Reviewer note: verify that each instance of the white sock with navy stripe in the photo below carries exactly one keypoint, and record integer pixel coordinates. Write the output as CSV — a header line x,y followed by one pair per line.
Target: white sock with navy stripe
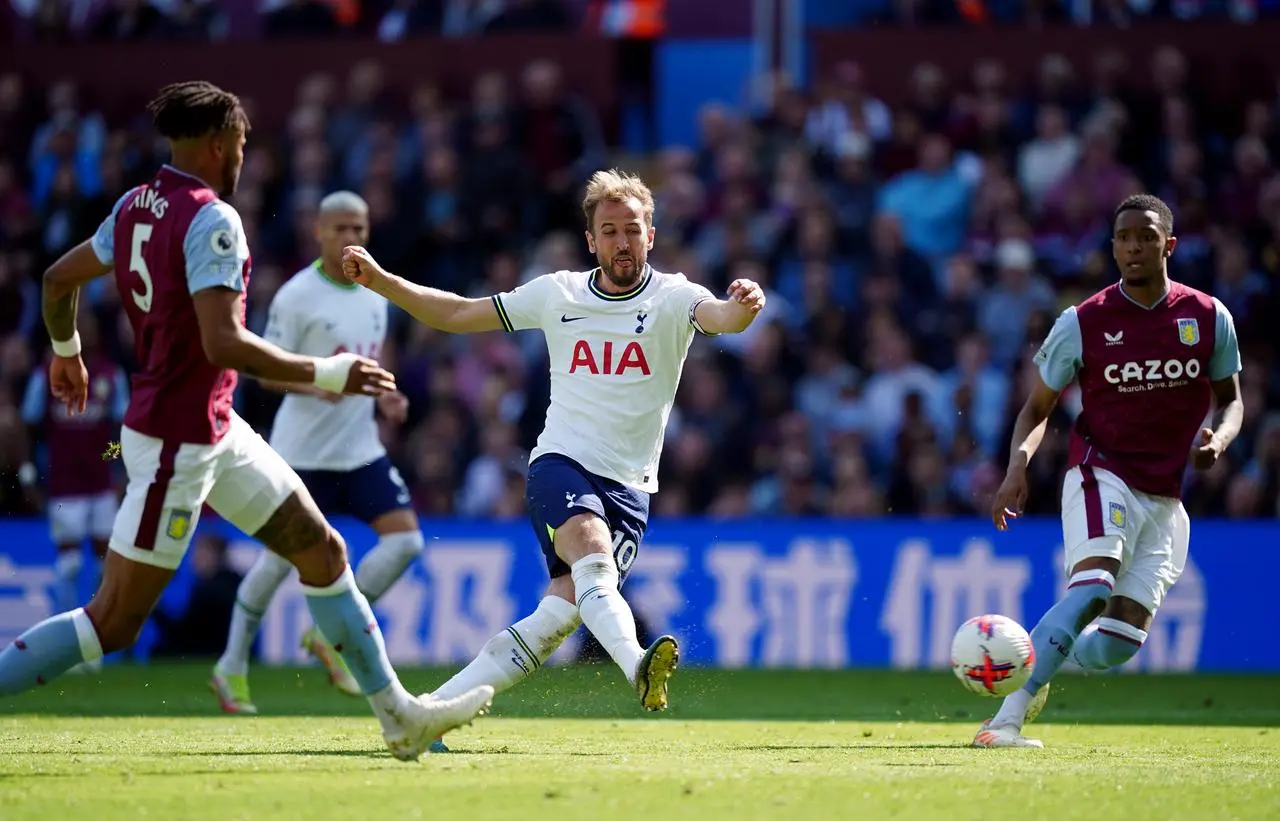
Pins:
x,y
253,597
518,651
605,613
387,561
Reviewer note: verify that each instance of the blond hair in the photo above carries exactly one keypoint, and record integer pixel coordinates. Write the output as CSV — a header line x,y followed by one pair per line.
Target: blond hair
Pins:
x,y
616,186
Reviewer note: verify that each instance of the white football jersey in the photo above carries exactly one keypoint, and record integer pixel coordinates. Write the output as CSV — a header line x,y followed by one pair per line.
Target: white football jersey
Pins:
x,y
313,315
615,363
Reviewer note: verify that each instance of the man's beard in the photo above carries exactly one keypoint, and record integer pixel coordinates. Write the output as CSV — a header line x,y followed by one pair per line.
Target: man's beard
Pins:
x,y
621,278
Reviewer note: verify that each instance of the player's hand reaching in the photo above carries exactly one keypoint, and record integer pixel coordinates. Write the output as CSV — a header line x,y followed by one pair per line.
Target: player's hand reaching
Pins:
x,y
1010,499
359,266
368,378
352,375
69,382
1207,451
394,406
748,294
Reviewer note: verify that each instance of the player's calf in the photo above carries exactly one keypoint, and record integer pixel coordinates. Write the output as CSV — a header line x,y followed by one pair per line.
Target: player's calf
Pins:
x,y
1116,637
1106,644
253,596
1052,637
112,621
516,652
298,532
48,650
1087,592
388,560
583,543
68,565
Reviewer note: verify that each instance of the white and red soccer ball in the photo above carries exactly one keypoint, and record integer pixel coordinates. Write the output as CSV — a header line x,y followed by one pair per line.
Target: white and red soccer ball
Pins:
x,y
992,655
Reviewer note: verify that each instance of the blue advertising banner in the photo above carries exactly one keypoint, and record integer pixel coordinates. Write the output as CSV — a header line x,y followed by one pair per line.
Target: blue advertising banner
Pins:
x,y
777,593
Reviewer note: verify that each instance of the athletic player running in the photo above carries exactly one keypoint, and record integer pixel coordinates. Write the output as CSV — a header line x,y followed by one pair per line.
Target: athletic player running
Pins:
x,y
617,338
1150,355
331,441
181,263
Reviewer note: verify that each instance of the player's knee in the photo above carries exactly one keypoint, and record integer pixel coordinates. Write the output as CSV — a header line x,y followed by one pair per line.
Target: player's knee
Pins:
x,y
1126,610
299,533
582,535
1111,645
562,587
405,543
1088,591
1106,563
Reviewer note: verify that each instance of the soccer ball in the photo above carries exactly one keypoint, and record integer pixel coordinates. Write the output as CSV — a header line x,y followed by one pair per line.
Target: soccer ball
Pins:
x,y
992,655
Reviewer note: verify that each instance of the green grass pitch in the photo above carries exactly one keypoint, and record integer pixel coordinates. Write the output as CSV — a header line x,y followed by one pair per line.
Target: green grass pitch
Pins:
x,y
571,743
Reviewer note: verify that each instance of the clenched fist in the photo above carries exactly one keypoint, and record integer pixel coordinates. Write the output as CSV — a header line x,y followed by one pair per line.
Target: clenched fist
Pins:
x,y
360,267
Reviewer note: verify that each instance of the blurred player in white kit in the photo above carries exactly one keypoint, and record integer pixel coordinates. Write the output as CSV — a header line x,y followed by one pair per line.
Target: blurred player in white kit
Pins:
x,y
331,441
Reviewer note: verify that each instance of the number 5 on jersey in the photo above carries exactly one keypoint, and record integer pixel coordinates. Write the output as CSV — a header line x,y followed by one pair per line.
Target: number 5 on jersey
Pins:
x,y
138,265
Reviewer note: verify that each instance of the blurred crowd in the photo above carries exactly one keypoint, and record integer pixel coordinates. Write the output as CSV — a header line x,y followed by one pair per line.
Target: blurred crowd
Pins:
x,y
914,257
390,20
1033,12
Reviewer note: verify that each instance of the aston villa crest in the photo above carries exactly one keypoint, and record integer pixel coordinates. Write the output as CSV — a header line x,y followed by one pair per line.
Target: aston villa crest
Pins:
x,y
1188,332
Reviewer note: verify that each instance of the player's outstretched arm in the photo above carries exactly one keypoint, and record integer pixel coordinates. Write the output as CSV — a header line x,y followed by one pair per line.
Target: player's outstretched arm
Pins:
x,y
228,344
1028,432
734,314
441,310
68,378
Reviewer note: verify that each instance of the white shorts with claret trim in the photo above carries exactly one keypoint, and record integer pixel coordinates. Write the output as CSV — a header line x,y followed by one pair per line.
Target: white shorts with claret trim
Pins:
x,y
241,478
1149,535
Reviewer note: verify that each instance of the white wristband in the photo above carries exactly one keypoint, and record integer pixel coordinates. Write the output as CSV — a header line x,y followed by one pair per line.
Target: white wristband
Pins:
x,y
70,347
332,371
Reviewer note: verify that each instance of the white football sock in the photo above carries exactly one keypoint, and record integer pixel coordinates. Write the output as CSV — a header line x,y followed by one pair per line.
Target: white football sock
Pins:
x,y
605,613
1014,709
388,704
516,652
387,562
68,566
252,599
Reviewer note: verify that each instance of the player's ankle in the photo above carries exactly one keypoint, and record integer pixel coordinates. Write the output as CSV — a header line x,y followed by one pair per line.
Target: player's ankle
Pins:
x,y
231,667
389,705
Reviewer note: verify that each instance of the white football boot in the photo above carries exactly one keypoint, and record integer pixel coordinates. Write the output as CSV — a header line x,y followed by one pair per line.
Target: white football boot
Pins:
x,y
426,719
1010,735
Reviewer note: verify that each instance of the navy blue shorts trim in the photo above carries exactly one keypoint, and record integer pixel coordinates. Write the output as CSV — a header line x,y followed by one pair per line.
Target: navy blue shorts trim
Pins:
x,y
364,493
559,488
